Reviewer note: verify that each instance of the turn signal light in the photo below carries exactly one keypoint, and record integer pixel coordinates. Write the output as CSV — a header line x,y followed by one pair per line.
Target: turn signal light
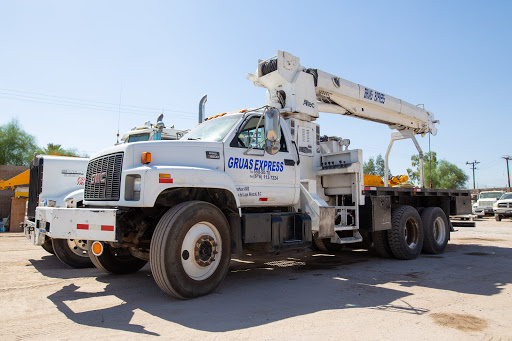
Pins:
x,y
145,158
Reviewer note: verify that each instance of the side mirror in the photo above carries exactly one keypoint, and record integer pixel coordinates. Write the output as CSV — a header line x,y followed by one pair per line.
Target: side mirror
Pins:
x,y
272,131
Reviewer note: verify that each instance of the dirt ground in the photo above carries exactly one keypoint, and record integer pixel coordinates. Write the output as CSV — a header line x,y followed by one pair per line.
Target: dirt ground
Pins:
x,y
464,294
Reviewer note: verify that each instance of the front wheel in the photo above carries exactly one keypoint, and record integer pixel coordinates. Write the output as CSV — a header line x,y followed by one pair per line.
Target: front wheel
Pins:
x,y
497,217
47,245
117,261
190,250
72,252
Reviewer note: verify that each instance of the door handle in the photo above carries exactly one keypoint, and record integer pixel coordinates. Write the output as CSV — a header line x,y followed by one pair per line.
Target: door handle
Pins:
x,y
288,162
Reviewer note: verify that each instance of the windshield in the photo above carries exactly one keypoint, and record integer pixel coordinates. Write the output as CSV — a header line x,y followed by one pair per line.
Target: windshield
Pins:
x,y
213,130
506,196
138,137
491,195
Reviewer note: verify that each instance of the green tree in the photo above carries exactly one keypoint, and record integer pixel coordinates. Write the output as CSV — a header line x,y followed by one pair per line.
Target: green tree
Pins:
x,y
442,173
369,167
16,146
53,148
375,166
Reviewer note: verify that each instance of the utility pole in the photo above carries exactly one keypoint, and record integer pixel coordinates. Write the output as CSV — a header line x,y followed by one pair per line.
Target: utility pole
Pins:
x,y
507,158
473,166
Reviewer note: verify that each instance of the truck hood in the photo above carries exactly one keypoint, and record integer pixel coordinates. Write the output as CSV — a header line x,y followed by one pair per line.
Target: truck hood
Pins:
x,y
171,153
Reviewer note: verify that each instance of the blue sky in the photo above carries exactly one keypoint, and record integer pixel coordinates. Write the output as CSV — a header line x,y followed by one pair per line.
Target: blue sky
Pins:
x,y
66,66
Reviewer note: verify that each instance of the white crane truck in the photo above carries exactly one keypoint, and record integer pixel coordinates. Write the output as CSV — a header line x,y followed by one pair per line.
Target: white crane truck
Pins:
x,y
260,178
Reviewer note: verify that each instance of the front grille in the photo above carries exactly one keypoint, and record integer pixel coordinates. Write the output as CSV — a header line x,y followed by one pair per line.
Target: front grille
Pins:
x,y
486,203
103,180
35,187
504,205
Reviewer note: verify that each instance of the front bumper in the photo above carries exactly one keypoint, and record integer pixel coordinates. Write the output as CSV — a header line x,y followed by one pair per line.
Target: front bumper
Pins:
x,y
503,211
73,223
480,211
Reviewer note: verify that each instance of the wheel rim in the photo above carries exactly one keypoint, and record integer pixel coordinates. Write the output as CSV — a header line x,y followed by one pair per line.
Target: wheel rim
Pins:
x,y
201,251
439,230
411,233
78,247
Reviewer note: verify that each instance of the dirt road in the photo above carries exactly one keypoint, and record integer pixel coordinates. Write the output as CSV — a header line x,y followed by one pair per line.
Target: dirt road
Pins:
x,y
464,294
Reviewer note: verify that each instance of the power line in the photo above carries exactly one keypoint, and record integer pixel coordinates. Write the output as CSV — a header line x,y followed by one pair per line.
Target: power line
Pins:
x,y
90,105
474,163
74,99
96,108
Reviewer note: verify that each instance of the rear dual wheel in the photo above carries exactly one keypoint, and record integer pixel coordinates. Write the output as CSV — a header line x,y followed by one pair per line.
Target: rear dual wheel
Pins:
x,y
437,230
412,233
406,235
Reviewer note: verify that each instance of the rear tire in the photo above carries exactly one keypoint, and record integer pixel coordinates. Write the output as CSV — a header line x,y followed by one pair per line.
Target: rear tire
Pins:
x,y
117,261
381,244
436,230
47,245
324,244
406,234
72,252
190,250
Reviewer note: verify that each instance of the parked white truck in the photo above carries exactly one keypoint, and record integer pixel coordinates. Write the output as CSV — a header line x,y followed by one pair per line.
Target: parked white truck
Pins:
x,y
58,181
262,177
484,204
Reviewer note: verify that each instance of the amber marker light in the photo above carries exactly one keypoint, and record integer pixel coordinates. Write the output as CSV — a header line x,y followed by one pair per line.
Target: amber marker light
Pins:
x,y
145,158
97,248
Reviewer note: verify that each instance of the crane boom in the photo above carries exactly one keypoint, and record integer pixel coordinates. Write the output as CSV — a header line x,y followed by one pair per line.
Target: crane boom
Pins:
x,y
303,93
296,90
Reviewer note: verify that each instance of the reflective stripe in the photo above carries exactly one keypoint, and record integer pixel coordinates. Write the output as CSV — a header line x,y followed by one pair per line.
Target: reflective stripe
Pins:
x,y
95,227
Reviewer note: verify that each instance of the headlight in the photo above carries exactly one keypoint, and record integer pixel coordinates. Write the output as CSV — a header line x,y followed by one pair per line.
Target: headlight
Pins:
x,y
136,185
495,205
133,187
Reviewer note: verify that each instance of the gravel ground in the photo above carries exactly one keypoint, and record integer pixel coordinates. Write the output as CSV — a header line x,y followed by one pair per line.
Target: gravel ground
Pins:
x,y
464,294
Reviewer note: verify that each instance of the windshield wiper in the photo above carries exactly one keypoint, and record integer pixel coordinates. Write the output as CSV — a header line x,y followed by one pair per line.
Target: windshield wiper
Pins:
x,y
194,138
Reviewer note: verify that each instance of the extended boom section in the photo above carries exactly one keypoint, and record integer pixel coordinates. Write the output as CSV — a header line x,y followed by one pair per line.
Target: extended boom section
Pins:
x,y
296,89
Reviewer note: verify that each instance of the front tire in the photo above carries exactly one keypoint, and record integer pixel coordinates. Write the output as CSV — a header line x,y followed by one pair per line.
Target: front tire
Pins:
x,y
117,261
72,252
190,250
437,230
47,245
497,217
406,234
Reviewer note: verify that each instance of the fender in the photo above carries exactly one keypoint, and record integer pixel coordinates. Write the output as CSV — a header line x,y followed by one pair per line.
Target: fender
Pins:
x,y
73,198
156,179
